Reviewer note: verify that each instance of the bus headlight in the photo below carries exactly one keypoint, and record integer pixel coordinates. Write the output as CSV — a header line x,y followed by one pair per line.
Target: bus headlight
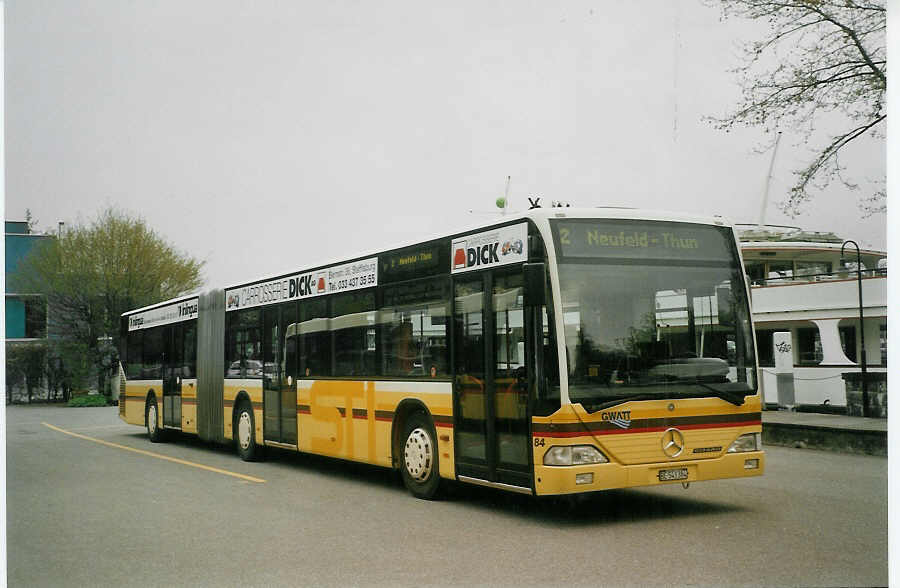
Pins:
x,y
748,442
573,455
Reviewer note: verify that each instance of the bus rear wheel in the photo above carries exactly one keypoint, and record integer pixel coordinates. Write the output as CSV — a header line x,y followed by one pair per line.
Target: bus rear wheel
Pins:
x,y
419,457
244,438
151,414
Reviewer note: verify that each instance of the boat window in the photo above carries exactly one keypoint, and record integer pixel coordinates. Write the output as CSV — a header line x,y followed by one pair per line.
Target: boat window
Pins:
x,y
848,341
756,271
813,268
765,348
809,346
781,270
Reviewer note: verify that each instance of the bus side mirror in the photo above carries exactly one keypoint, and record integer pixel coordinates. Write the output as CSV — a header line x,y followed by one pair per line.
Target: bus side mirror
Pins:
x,y
535,279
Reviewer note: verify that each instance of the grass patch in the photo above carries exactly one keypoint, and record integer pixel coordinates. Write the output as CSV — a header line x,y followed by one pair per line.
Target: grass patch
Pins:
x,y
88,400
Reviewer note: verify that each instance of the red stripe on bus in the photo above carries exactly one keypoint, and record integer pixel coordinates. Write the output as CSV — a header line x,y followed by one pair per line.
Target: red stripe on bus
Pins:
x,y
230,404
256,405
380,415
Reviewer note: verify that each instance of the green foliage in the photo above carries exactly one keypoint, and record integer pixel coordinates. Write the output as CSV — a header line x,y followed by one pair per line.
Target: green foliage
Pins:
x,y
95,272
25,364
88,400
74,368
830,59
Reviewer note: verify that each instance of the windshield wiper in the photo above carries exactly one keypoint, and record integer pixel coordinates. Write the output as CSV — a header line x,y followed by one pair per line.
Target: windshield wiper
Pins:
x,y
731,397
622,400
735,399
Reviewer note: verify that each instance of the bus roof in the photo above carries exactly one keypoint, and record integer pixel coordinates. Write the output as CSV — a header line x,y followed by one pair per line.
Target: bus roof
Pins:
x,y
537,215
540,216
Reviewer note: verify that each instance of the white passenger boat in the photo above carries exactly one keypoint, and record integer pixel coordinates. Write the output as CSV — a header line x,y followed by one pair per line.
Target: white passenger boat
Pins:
x,y
801,284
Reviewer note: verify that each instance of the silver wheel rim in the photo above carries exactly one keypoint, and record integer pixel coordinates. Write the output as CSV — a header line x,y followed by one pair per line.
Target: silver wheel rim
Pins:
x,y
151,419
244,429
419,455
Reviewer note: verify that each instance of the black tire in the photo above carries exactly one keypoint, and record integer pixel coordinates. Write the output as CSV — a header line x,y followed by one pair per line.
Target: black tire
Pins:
x,y
246,445
151,419
419,457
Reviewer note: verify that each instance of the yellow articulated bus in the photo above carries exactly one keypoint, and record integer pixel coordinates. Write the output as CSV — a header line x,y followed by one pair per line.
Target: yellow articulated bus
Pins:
x,y
560,351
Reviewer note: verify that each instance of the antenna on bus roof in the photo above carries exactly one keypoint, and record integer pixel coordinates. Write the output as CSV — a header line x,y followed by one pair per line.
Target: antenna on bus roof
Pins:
x,y
503,203
506,195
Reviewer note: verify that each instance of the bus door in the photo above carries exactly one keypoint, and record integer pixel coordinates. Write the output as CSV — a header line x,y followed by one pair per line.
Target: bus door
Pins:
x,y
173,360
288,373
491,386
279,377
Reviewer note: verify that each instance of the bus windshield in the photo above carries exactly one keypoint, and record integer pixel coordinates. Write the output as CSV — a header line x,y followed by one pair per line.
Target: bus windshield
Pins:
x,y
657,310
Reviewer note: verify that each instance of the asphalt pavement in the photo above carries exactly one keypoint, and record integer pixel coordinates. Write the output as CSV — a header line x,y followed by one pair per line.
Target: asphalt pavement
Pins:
x,y
91,502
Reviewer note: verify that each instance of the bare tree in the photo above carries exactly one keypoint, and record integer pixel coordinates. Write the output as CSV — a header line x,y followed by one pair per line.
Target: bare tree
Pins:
x,y
831,58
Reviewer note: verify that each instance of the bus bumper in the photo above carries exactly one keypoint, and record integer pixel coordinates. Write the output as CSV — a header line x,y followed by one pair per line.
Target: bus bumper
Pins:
x,y
551,480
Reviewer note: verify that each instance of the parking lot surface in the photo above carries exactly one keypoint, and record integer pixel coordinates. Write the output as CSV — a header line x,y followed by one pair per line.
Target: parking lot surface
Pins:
x,y
90,501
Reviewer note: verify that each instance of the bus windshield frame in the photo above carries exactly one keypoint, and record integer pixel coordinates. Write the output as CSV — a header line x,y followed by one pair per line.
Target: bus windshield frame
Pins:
x,y
652,310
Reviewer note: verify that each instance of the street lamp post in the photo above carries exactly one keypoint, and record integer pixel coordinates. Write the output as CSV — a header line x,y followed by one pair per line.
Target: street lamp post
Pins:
x,y
862,333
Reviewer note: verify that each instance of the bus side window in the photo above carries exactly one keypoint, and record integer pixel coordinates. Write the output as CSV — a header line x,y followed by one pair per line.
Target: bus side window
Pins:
x,y
314,350
352,316
190,349
290,341
243,344
413,324
547,401
153,354
270,350
134,365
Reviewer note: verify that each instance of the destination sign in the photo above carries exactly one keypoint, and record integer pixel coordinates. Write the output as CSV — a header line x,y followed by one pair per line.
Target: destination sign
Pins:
x,y
339,278
642,239
414,261
164,315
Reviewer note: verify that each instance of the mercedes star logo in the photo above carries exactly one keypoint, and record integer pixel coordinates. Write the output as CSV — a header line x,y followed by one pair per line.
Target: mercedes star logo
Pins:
x,y
672,442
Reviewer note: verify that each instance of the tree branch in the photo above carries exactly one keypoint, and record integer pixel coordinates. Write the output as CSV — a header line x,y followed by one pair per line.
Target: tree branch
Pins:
x,y
852,34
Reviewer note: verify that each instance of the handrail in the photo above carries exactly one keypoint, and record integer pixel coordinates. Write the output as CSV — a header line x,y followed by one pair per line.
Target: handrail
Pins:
x,y
812,278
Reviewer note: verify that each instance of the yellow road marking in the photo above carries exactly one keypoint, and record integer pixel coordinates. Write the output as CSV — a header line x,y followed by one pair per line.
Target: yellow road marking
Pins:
x,y
122,426
157,455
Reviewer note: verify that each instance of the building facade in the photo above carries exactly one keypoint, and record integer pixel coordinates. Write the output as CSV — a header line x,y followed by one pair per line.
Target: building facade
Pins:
x,y
26,317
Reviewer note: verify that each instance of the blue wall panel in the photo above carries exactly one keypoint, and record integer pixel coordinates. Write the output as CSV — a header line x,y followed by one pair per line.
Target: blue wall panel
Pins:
x,y
15,318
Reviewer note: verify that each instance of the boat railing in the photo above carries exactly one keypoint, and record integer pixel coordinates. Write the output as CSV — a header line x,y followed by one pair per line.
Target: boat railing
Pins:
x,y
783,280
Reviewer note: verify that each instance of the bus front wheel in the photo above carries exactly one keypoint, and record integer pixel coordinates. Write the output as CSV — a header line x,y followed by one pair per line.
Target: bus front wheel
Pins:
x,y
419,457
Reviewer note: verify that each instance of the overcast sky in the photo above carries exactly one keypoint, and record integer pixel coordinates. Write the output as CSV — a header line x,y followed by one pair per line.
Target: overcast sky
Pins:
x,y
264,137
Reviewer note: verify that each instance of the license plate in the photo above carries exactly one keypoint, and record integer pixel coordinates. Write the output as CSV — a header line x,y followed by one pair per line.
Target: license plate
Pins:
x,y
676,474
